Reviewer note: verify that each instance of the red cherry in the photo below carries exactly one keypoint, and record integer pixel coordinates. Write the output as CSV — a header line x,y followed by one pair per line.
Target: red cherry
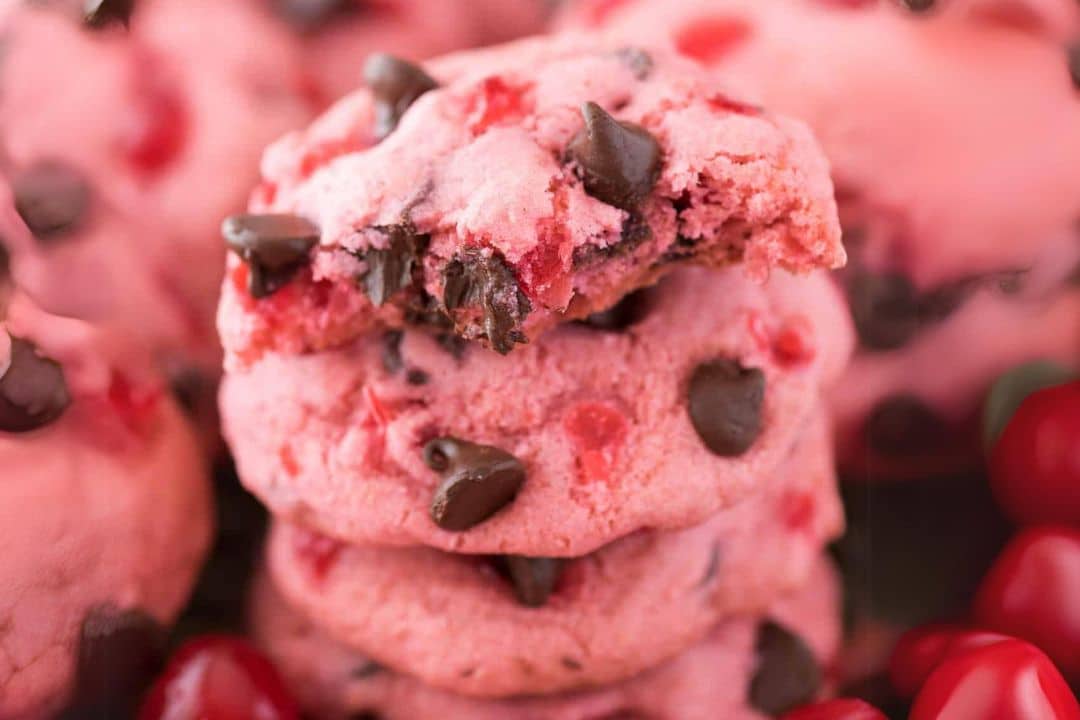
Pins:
x,y
1035,464
1005,680
922,649
1033,592
155,128
216,677
709,39
842,709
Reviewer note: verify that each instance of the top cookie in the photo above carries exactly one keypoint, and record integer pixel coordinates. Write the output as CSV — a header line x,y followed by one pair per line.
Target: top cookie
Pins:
x,y
502,191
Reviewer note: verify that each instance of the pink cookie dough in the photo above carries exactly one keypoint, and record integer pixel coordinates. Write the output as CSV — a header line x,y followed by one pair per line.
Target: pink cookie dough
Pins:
x,y
963,224
334,440
454,622
488,207
710,680
105,510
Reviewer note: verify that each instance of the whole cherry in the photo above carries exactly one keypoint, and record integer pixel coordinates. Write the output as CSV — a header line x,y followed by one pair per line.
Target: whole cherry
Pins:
x,y
1033,592
219,677
1005,680
839,709
1035,463
920,650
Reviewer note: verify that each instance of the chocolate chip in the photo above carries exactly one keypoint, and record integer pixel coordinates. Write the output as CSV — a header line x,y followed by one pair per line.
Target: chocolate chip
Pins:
x,y
571,664
391,353
33,392
713,567
902,425
629,311
488,282
619,161
274,247
368,669
639,61
918,6
787,675
885,309
634,232
51,198
390,269
416,376
478,481
396,84
1072,55
100,13
120,653
533,579
422,309
725,402
5,262
311,15
937,304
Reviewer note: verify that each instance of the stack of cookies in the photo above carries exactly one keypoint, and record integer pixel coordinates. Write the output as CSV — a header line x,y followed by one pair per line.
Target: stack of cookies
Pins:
x,y
525,352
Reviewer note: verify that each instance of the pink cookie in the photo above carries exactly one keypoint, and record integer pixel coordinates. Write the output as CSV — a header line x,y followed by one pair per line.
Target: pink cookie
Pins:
x,y
506,198
684,405
959,269
717,678
493,626
104,517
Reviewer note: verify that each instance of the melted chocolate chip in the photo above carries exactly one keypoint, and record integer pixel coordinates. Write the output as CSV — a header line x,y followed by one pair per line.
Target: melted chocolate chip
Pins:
x,y
396,84
275,248
33,392
311,15
903,425
488,282
787,674
619,161
725,402
390,269
629,311
51,198
639,61
478,481
120,653
885,309
1072,57
533,579
391,353
100,13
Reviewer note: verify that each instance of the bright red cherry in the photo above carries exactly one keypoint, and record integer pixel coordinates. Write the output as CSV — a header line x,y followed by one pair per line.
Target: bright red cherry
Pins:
x,y
1033,592
1035,464
216,677
922,649
842,709
1006,680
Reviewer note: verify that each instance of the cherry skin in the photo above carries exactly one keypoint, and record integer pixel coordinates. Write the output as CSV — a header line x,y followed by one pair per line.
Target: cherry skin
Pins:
x,y
840,709
920,650
1033,592
217,677
1006,680
1035,464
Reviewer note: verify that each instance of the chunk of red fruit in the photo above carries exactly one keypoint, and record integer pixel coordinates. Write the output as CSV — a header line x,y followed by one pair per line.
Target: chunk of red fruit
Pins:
x,y
317,551
1033,592
217,677
709,39
840,709
597,432
496,102
1035,464
922,649
154,129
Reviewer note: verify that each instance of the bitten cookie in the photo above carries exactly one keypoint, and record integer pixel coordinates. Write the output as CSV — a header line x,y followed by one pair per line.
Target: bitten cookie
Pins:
x,y
677,403
511,190
104,518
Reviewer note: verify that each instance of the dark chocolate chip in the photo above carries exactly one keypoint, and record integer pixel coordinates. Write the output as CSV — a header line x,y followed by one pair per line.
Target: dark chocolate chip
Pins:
x,y
51,198
885,309
274,247
391,268
100,13
918,6
478,481
369,669
489,283
391,352
713,567
311,15
938,303
396,84
1072,56
33,392
120,653
725,404
416,376
571,664
787,674
533,579
5,262
629,311
191,387
619,161
902,425
639,61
